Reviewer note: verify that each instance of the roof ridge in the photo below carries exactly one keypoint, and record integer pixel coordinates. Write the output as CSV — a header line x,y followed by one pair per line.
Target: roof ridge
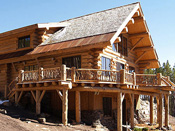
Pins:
x,y
100,11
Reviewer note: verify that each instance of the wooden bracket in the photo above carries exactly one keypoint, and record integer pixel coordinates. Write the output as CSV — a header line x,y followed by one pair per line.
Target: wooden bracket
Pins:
x,y
60,94
20,96
41,97
34,96
136,43
140,57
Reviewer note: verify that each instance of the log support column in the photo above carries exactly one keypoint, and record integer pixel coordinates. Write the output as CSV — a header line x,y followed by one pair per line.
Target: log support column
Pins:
x,y
119,111
157,99
151,110
16,97
38,105
132,111
65,107
167,111
78,106
160,111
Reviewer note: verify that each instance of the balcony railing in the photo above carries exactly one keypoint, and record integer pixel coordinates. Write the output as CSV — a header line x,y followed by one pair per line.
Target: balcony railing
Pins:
x,y
89,75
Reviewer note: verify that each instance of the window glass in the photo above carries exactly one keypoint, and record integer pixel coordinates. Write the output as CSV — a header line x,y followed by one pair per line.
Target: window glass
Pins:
x,y
24,42
74,61
131,69
106,63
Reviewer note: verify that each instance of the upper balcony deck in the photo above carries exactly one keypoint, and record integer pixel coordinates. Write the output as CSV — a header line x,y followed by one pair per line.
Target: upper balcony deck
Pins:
x,y
92,77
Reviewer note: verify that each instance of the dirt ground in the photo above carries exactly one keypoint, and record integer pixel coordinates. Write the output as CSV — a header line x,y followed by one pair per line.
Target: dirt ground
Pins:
x,y
18,119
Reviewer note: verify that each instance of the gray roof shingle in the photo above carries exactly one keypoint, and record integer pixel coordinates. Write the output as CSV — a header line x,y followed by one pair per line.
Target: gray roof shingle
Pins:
x,y
93,24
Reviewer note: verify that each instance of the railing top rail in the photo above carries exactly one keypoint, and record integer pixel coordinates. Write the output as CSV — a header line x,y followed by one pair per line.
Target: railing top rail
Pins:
x,y
30,71
145,74
95,70
129,73
51,68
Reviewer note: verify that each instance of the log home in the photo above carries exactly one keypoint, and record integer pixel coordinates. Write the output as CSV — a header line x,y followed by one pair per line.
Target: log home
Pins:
x,y
90,67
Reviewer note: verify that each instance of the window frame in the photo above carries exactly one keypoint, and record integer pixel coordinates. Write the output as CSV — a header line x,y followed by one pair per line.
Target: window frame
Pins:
x,y
26,43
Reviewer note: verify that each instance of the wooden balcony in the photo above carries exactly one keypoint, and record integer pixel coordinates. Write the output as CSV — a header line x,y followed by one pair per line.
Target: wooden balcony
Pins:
x,y
92,77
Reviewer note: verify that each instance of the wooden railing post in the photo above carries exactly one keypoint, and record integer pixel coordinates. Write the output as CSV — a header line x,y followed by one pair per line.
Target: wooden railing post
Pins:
x,y
134,78
21,76
122,76
73,74
63,72
159,78
40,73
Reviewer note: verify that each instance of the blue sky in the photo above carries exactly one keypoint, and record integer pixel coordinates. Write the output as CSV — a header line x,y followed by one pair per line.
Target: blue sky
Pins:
x,y
159,14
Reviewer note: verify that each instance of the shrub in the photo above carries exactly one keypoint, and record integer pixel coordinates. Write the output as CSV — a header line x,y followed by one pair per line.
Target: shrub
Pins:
x,y
145,129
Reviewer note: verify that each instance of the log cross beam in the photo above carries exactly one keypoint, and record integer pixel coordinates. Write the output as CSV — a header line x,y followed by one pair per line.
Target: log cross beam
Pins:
x,y
135,45
140,57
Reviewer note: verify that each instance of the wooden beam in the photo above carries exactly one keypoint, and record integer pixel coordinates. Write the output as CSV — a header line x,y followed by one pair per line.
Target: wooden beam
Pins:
x,y
117,40
77,106
123,96
38,104
139,19
161,111
41,97
136,43
16,97
146,61
137,13
167,111
158,111
125,30
33,95
142,49
60,95
131,21
151,110
140,57
132,111
20,96
139,35
119,111
65,107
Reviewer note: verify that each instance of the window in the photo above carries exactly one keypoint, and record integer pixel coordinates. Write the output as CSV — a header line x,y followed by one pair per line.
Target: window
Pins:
x,y
119,66
121,47
106,63
131,69
107,106
24,42
31,68
74,61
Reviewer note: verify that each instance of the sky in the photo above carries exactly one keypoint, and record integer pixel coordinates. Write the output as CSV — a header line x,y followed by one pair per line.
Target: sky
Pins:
x,y
159,15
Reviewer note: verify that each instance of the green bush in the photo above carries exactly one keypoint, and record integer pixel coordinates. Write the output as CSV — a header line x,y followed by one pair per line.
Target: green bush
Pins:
x,y
137,129
140,129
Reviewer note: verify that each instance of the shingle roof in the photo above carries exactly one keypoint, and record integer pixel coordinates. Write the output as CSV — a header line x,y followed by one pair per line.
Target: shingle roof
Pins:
x,y
93,24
